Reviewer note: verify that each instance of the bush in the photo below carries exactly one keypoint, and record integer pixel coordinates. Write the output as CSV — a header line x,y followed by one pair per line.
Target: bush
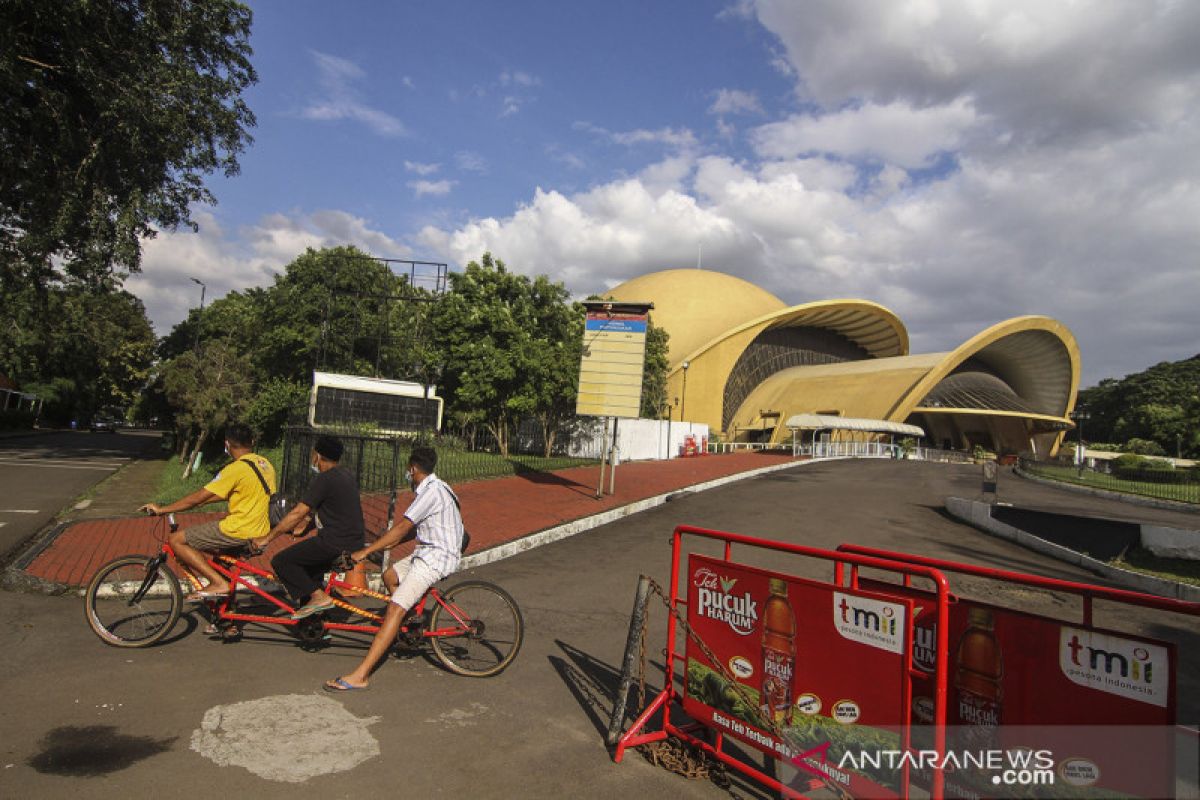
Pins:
x,y
1144,447
1127,461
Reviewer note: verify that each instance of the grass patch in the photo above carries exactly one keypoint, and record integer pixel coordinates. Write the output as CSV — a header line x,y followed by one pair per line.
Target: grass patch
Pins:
x,y
1139,559
1180,493
172,486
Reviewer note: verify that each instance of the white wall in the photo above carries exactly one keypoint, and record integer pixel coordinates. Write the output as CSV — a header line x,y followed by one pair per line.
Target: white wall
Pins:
x,y
642,439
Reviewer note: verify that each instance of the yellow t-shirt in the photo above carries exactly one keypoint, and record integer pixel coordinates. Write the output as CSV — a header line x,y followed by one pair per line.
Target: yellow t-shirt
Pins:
x,y
248,503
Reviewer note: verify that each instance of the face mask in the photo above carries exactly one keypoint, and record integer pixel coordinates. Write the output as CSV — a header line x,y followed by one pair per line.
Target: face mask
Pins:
x,y
227,450
412,478
316,470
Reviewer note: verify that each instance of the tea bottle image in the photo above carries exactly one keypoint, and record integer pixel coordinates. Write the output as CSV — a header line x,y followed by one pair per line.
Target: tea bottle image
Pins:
x,y
979,671
778,653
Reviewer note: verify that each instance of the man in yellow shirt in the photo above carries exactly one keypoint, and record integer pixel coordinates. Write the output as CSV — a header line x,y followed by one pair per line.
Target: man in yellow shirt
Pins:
x,y
249,503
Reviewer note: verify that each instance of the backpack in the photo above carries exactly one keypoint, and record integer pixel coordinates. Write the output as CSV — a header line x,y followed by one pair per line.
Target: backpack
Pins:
x,y
277,504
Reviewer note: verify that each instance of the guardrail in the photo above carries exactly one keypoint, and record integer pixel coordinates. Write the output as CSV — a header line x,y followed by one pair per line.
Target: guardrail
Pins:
x,y
1176,492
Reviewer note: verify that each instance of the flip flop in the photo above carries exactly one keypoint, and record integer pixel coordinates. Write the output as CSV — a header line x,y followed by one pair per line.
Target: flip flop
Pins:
x,y
342,685
308,611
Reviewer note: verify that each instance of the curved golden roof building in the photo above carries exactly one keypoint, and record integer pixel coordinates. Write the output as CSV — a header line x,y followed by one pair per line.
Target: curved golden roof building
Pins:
x,y
744,362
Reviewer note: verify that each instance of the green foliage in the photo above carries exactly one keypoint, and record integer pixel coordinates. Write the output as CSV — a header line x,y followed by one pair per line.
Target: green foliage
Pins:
x,y
1160,405
209,387
270,407
113,111
1128,461
510,346
80,350
1144,447
654,378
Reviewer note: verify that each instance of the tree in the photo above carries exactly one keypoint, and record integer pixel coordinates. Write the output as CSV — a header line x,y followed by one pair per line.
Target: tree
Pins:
x,y
1160,405
209,387
112,113
96,355
654,378
507,341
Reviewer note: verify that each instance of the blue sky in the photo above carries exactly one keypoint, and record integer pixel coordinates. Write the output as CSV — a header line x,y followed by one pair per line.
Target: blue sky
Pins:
x,y
959,163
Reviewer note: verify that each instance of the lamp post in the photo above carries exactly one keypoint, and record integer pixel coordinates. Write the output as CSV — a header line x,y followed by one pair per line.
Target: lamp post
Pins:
x,y
1080,416
200,315
683,407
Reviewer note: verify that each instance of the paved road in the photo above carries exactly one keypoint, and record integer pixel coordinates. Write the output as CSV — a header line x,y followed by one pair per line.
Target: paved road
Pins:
x,y
42,473
83,720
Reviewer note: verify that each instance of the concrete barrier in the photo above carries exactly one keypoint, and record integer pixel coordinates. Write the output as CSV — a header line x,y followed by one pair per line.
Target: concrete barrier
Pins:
x,y
1171,542
979,515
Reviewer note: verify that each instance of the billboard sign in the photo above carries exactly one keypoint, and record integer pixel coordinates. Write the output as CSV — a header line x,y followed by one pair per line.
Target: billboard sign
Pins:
x,y
614,354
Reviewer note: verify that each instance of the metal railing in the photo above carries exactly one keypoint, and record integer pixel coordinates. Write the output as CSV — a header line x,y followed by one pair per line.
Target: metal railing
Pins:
x,y
1183,492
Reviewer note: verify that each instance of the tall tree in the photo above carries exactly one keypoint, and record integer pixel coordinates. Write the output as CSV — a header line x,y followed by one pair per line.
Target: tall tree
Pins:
x,y
208,387
507,342
654,378
112,113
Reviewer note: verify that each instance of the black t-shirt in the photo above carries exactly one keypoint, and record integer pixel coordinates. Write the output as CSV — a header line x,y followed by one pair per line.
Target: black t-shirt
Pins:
x,y
334,496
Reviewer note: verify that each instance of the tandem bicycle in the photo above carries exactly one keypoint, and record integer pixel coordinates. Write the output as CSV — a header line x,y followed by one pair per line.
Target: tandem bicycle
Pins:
x,y
474,628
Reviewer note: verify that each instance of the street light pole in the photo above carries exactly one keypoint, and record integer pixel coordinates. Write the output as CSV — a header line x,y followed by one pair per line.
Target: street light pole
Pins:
x,y
200,315
683,407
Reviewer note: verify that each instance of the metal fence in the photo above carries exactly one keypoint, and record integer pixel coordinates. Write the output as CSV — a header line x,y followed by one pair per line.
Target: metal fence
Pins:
x,y
378,460
1149,484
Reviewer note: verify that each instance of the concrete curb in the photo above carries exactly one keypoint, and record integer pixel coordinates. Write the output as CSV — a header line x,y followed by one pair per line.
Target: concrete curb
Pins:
x,y
549,535
979,515
1131,499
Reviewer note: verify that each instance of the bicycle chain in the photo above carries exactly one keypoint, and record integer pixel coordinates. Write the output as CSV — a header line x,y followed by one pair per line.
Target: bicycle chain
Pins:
x,y
738,688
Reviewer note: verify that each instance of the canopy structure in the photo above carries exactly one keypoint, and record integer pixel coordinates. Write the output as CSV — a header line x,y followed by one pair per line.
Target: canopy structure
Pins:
x,y
823,422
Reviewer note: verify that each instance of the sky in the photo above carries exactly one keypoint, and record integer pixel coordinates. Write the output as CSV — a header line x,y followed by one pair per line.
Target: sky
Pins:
x,y
960,163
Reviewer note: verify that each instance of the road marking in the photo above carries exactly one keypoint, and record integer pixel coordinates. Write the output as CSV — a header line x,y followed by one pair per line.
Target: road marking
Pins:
x,y
286,737
18,511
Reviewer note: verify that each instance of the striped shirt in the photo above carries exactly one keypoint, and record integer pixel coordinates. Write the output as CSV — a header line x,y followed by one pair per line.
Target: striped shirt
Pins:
x,y
435,516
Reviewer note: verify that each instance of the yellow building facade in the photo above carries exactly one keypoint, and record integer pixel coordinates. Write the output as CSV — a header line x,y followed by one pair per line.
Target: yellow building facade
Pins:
x,y
744,362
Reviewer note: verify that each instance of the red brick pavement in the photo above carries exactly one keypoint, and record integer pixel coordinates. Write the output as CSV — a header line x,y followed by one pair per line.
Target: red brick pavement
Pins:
x,y
494,511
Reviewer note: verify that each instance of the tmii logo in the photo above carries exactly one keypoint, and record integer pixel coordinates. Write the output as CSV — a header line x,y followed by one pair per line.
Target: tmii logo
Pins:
x,y
1126,667
871,622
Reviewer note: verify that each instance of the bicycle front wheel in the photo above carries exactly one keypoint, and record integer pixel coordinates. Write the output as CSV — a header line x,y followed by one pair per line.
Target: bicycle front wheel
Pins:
x,y
476,629
133,601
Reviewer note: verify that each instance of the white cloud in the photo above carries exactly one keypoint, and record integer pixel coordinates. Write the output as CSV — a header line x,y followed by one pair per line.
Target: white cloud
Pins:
x,y
735,101
519,78
470,161
435,188
421,169
341,100
249,257
681,138
896,133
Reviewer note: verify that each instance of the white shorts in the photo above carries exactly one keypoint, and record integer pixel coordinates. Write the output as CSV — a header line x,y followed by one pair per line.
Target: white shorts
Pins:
x,y
415,578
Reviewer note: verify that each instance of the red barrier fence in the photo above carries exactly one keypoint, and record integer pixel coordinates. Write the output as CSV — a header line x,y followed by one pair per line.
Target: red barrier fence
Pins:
x,y
827,677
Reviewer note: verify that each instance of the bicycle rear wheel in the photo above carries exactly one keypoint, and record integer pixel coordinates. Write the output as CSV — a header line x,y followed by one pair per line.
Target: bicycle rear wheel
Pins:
x,y
476,629
133,601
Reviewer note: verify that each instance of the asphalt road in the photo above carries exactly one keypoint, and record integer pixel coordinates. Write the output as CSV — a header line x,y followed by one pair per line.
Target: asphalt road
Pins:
x,y
42,473
80,719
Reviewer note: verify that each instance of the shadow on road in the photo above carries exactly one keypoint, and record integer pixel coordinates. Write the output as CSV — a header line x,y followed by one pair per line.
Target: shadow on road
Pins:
x,y
94,750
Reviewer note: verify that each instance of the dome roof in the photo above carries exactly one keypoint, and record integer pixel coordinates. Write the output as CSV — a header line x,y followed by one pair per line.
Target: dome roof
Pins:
x,y
697,305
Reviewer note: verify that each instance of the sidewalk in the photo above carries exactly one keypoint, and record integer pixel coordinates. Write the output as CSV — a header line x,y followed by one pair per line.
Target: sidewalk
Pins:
x,y
503,516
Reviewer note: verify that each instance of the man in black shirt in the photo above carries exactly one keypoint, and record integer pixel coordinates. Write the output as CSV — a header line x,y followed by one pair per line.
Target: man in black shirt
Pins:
x,y
332,497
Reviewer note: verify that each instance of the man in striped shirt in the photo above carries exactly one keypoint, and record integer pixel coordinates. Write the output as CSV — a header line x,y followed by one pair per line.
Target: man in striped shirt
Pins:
x,y
435,521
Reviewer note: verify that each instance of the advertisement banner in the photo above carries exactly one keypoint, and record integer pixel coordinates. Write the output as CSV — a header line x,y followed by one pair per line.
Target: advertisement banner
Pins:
x,y
1019,680
824,664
